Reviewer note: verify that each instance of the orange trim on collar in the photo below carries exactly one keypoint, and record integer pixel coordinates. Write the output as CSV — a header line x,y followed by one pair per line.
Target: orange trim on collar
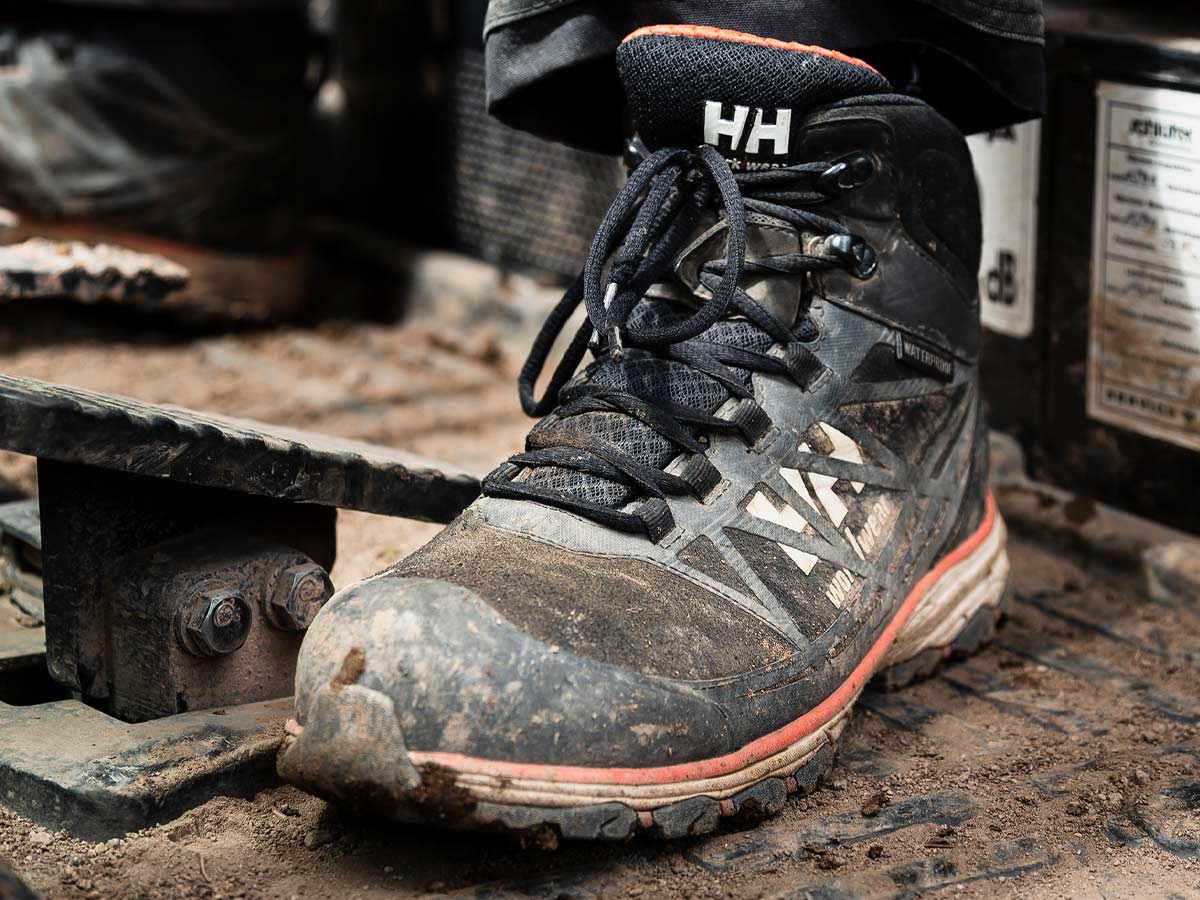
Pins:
x,y
740,37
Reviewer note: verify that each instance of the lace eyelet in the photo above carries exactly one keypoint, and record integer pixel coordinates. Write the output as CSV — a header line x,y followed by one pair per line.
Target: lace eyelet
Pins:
x,y
751,421
702,475
847,174
656,518
856,254
812,332
804,366
635,153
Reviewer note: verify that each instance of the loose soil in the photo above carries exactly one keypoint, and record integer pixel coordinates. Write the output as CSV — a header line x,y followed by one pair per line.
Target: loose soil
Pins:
x,y
1063,761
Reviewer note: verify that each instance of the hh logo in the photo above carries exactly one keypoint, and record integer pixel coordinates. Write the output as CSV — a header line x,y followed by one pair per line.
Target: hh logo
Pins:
x,y
778,132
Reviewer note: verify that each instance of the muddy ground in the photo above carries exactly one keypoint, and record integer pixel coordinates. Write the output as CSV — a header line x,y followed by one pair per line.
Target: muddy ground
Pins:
x,y
1063,761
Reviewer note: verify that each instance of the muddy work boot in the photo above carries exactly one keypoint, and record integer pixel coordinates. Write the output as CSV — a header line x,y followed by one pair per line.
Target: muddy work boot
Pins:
x,y
767,486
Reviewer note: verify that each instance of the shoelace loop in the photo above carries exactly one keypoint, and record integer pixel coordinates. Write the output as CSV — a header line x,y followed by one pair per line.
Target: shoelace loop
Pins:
x,y
638,240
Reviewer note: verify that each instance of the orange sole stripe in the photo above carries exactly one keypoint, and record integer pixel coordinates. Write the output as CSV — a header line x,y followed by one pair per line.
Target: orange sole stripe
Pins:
x,y
765,746
740,37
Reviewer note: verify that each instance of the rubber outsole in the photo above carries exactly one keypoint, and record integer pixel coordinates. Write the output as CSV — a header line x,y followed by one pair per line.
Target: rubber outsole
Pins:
x,y
955,615
545,827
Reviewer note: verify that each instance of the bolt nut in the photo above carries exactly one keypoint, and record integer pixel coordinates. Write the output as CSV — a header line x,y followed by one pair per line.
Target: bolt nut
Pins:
x,y
299,593
216,621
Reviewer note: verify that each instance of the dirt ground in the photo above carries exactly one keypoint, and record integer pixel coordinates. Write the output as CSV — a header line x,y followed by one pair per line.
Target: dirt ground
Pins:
x,y
1063,761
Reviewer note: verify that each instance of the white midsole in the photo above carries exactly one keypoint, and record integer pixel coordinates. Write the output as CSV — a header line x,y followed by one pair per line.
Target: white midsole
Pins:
x,y
532,792
977,581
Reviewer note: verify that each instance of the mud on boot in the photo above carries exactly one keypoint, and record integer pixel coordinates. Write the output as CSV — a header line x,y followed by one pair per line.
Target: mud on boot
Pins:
x,y
767,485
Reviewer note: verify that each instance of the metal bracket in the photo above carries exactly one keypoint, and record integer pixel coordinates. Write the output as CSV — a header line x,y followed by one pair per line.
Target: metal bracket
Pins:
x,y
182,555
122,552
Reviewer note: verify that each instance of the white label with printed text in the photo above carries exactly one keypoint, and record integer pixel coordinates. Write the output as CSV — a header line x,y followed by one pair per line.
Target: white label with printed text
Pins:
x,y
1143,370
1007,163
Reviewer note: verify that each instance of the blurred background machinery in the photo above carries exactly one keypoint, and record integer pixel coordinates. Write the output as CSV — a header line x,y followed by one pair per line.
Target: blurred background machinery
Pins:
x,y
404,108
163,127
1091,272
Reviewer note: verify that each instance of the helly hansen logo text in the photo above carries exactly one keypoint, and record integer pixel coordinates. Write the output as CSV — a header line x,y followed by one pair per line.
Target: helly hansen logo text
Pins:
x,y
747,129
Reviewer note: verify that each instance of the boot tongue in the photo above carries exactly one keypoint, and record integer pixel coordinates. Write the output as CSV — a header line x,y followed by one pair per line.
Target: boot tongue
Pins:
x,y
689,85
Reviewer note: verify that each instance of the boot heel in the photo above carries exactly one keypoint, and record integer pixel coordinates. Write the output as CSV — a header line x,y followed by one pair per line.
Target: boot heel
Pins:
x,y
979,631
958,615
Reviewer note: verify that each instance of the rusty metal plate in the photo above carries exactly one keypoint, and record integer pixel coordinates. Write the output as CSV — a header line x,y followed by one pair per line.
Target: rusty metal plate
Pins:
x,y
66,424
121,777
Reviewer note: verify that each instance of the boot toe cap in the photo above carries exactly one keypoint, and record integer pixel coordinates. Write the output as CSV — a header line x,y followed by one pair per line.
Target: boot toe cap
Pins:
x,y
394,666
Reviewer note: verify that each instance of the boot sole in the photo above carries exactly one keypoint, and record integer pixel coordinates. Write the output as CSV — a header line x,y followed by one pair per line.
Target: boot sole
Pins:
x,y
952,612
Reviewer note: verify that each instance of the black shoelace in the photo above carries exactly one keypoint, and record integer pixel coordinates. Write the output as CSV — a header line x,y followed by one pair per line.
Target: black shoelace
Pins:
x,y
652,216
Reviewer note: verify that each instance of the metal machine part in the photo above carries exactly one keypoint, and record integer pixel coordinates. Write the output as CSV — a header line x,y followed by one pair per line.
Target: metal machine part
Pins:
x,y
21,556
176,559
117,476
128,559
126,777
200,600
23,676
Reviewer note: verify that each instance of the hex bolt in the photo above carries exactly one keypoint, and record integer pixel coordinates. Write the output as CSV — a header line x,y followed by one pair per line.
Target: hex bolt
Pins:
x,y
298,595
216,621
